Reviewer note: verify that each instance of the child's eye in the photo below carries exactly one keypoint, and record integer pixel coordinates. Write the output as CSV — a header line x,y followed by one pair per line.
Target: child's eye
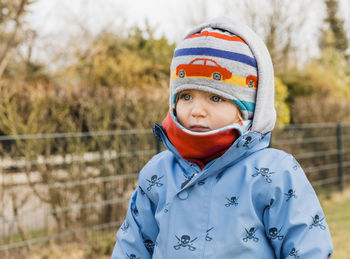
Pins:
x,y
216,98
186,97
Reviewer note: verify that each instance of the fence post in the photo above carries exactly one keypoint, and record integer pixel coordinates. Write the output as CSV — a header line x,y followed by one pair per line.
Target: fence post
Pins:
x,y
340,157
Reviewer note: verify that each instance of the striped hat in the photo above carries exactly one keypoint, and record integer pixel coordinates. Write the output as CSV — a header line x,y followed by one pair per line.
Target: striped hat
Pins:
x,y
219,62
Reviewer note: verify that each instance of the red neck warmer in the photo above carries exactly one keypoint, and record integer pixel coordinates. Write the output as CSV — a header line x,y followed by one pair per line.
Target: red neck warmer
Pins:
x,y
200,149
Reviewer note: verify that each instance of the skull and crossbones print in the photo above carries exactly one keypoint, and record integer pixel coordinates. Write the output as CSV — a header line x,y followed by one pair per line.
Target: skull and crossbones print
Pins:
x,y
250,235
207,237
265,172
155,181
185,241
274,233
135,210
246,143
294,253
149,244
248,140
187,180
231,201
317,222
290,194
132,256
296,165
125,227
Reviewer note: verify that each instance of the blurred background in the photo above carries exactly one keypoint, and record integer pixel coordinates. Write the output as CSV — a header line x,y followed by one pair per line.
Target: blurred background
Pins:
x,y
83,81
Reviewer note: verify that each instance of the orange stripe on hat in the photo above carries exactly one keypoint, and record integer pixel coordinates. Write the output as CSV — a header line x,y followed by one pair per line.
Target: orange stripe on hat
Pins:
x,y
216,35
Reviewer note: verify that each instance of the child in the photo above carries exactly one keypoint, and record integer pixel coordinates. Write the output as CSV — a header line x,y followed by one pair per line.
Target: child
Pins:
x,y
218,191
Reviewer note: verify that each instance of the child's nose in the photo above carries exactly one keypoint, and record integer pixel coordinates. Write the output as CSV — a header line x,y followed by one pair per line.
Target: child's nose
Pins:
x,y
198,108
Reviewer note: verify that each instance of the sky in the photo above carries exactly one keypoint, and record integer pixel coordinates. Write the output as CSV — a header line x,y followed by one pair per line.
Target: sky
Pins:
x,y
56,21
50,17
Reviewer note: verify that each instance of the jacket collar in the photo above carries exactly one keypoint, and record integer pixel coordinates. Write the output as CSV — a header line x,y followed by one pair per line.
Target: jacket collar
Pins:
x,y
201,147
248,143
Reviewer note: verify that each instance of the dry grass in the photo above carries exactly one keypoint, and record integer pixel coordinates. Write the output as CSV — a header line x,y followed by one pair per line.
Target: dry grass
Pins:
x,y
337,210
71,251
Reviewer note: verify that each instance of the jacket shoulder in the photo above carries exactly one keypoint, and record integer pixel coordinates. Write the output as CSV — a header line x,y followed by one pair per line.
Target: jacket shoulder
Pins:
x,y
273,155
279,161
156,164
276,152
284,160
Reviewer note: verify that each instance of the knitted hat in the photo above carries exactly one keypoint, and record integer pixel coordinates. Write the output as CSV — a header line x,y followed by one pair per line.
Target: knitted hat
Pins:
x,y
219,62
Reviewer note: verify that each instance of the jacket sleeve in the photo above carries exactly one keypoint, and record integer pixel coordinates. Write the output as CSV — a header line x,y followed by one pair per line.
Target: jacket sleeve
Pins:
x,y
136,237
294,220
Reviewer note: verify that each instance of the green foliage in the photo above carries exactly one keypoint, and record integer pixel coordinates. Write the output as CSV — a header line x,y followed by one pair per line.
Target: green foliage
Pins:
x,y
41,108
330,74
281,93
298,83
133,61
328,93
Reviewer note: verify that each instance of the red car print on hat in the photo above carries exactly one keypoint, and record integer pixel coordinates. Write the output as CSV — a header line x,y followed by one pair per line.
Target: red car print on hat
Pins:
x,y
203,67
252,81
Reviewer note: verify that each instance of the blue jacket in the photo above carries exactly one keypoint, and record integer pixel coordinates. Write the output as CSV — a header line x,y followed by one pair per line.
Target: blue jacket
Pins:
x,y
252,202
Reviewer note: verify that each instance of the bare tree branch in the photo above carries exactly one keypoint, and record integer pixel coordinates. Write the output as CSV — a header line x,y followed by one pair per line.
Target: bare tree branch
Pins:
x,y
10,43
282,24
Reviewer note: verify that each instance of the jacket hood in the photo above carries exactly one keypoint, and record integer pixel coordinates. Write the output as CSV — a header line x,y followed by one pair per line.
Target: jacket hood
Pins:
x,y
264,114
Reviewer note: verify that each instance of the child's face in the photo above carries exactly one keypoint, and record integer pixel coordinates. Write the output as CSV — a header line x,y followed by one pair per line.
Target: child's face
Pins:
x,y
201,111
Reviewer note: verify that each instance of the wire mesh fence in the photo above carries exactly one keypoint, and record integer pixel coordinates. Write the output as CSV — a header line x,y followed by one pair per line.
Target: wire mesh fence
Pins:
x,y
76,186
63,186
323,150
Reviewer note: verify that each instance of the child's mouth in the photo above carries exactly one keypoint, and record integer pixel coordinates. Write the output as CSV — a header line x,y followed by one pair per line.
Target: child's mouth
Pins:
x,y
198,128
